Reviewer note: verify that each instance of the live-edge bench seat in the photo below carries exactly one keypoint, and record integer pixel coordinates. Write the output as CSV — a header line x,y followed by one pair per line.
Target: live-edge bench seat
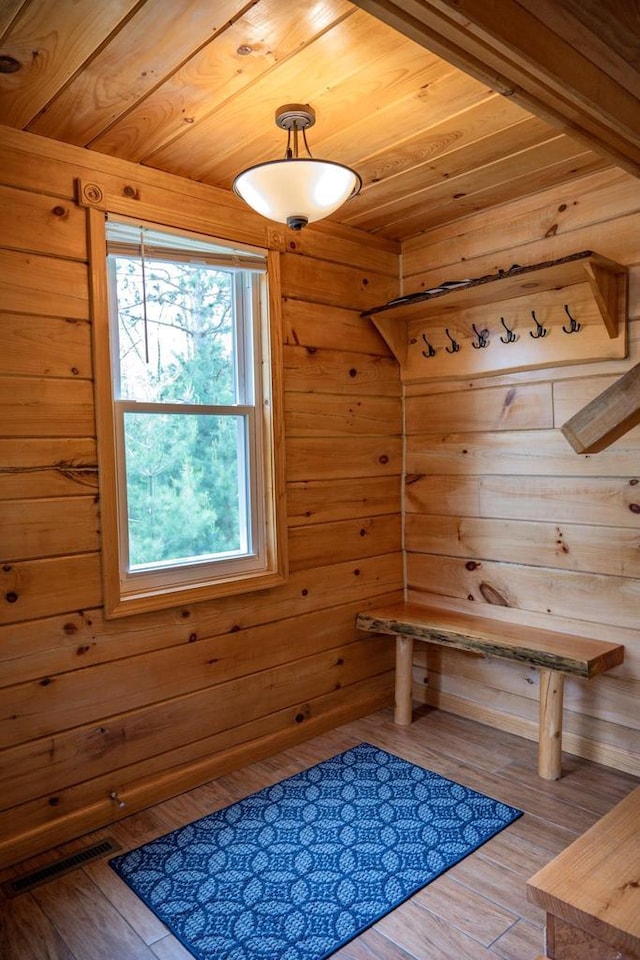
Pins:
x,y
555,654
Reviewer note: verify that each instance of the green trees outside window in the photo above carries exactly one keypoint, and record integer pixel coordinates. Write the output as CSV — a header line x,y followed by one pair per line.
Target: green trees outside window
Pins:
x,y
184,471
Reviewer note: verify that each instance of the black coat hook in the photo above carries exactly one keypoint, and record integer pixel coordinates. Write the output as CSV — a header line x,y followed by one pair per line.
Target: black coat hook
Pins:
x,y
511,337
429,352
454,345
483,338
540,330
574,326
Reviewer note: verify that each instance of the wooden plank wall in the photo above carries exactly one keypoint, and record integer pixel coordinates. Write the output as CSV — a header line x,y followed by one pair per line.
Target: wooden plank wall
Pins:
x,y
502,517
99,713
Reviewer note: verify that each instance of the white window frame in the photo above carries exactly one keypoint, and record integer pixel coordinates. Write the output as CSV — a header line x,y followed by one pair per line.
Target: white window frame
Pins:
x,y
170,584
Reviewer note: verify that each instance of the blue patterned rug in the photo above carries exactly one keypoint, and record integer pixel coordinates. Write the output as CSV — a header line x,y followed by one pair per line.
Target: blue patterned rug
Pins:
x,y
298,869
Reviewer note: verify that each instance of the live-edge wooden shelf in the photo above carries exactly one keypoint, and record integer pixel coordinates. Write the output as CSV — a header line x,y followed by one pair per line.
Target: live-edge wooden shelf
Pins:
x,y
580,302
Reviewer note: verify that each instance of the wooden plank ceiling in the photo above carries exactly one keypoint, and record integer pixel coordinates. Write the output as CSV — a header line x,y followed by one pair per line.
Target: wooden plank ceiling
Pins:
x,y
191,87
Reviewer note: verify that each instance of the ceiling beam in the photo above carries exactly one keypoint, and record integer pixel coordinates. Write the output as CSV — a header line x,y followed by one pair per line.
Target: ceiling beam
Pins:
x,y
509,49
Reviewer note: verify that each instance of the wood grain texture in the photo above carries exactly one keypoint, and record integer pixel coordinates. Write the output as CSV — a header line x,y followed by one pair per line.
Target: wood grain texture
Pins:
x,y
107,86
45,346
338,415
490,184
572,655
59,227
344,459
433,143
51,41
343,540
318,501
55,467
43,285
51,527
574,546
591,202
607,417
610,502
453,332
73,901
526,407
517,54
533,453
34,407
592,884
479,905
59,644
504,520
561,593
340,372
608,42
343,286
324,458
265,32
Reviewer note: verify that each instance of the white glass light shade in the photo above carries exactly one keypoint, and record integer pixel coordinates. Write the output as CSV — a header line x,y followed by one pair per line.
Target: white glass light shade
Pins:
x,y
297,191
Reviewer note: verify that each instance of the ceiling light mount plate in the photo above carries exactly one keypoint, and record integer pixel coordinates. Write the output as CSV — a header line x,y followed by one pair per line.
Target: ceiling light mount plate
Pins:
x,y
295,116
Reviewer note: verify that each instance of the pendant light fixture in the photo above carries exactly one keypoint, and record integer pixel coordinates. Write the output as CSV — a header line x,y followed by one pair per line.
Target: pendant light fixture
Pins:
x,y
296,190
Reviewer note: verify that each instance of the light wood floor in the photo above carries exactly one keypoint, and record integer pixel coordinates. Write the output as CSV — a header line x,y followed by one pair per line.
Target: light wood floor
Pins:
x,y
476,911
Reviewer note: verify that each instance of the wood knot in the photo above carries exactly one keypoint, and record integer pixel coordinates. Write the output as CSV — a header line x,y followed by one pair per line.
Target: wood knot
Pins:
x,y
493,596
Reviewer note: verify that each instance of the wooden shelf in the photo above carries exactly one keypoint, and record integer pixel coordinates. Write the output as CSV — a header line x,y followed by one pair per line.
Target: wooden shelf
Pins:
x,y
439,334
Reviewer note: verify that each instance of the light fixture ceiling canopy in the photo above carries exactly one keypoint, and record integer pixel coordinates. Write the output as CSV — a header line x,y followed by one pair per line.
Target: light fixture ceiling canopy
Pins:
x,y
296,190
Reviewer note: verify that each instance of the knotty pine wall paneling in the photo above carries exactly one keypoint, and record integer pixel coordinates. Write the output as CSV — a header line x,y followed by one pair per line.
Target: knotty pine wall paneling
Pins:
x,y
502,516
146,706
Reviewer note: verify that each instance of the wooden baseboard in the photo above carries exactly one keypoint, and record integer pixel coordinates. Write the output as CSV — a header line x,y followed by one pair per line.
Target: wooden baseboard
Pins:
x,y
604,753
173,782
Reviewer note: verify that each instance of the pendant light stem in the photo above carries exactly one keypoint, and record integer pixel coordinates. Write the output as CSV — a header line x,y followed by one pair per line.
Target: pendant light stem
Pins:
x,y
306,145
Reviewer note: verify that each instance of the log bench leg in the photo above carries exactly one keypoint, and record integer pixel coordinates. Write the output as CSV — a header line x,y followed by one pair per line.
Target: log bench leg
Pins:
x,y
404,681
550,728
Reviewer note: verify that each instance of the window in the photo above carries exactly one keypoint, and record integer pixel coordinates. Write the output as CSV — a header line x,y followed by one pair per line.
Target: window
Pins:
x,y
193,487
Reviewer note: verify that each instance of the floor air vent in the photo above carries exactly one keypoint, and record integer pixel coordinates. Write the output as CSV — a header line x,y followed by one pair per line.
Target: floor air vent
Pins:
x,y
12,888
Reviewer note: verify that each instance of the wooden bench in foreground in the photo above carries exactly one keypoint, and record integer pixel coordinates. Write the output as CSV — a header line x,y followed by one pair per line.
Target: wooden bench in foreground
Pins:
x,y
556,654
591,891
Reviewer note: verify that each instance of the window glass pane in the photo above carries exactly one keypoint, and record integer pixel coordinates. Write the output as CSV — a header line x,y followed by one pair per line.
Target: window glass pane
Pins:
x,y
186,492
179,346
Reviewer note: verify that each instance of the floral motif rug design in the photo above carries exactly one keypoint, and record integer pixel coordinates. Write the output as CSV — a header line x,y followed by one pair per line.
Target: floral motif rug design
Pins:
x,y
298,869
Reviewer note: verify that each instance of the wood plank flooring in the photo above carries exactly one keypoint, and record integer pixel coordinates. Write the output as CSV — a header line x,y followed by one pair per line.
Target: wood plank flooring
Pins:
x,y
476,911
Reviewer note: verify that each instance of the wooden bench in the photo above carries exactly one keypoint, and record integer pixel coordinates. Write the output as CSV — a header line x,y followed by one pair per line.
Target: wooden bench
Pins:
x,y
590,891
556,654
